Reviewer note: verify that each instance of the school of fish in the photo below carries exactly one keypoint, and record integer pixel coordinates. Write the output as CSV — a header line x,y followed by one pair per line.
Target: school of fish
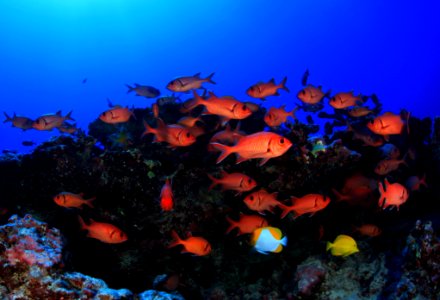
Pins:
x,y
366,124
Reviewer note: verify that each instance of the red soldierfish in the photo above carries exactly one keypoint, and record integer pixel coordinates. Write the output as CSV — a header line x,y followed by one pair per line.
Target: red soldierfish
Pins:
x,y
116,114
359,111
357,189
344,100
388,165
228,136
261,201
70,200
155,110
393,194
310,203
234,181
225,107
247,224
103,232
261,90
166,197
189,121
50,121
19,122
370,230
195,245
174,135
186,83
265,145
277,116
414,183
311,95
387,124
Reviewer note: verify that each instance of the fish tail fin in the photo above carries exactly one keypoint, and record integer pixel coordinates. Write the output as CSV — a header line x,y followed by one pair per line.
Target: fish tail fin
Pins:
x,y
82,224
69,116
176,239
327,94
148,129
285,210
215,181
130,88
339,196
225,151
8,118
89,202
284,241
232,225
293,111
191,104
382,195
328,246
283,85
209,78
423,180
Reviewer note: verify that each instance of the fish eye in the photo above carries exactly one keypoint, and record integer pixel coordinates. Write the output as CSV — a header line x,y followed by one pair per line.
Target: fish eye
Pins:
x,y
250,180
303,92
251,197
244,107
282,141
188,134
251,88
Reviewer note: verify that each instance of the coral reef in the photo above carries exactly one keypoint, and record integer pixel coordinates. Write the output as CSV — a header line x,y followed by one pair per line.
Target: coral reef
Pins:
x,y
31,242
421,268
125,172
31,268
360,276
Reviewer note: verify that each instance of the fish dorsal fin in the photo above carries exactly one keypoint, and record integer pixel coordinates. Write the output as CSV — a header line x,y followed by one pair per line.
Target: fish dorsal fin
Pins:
x,y
137,85
229,97
276,233
160,123
223,173
272,80
211,94
283,107
197,75
58,113
256,235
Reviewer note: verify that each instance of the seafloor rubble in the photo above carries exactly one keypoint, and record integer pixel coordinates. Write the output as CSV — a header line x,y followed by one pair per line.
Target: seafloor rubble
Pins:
x,y
125,173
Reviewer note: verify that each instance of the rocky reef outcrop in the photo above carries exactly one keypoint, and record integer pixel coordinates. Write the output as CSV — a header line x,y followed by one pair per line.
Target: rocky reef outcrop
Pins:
x,y
31,268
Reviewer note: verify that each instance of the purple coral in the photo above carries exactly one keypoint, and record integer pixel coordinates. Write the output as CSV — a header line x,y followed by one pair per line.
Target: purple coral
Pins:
x,y
31,242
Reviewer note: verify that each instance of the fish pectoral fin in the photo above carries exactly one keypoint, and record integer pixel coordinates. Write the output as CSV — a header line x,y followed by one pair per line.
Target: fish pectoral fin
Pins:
x,y
382,125
181,83
240,159
263,161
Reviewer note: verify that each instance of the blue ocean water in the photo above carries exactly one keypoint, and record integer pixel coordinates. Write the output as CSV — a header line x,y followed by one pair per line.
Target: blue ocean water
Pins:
x,y
49,47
